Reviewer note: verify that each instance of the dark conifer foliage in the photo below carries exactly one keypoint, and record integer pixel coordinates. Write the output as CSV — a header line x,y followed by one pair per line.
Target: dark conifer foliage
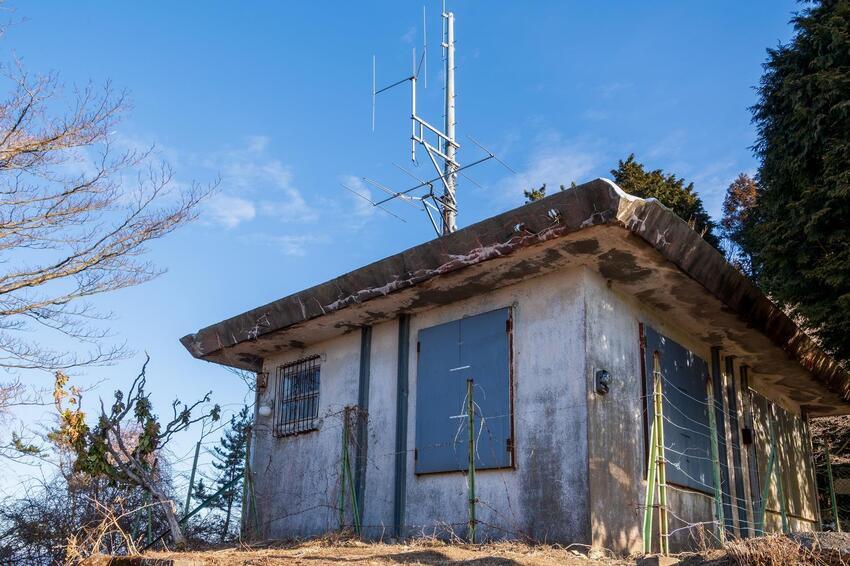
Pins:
x,y
670,190
800,232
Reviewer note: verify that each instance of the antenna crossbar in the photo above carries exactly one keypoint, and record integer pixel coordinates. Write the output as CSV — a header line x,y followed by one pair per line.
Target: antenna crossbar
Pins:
x,y
441,145
435,179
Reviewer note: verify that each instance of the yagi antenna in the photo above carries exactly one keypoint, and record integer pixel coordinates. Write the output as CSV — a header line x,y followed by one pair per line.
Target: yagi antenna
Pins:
x,y
424,49
440,145
370,201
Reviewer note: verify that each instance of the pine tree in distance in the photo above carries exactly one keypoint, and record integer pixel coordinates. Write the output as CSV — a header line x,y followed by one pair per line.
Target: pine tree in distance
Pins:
x,y
532,195
229,461
669,190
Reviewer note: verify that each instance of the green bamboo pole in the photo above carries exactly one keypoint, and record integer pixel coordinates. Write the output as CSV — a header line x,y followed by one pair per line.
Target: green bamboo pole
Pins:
x,y
715,461
149,530
470,476
342,474
249,501
765,491
243,517
782,510
352,494
347,476
658,401
192,478
203,504
254,511
832,497
649,499
771,464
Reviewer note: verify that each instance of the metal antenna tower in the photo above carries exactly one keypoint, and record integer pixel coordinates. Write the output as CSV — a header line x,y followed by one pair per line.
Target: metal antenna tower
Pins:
x,y
440,146
450,165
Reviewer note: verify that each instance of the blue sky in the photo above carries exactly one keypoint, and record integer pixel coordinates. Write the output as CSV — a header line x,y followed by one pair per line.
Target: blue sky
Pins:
x,y
274,98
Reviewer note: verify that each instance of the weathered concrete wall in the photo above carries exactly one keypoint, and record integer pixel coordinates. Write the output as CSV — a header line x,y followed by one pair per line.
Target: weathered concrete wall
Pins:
x,y
616,432
616,426
297,477
579,457
380,468
615,420
794,469
545,496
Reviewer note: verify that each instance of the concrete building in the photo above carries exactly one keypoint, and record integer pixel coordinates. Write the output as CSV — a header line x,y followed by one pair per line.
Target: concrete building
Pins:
x,y
560,312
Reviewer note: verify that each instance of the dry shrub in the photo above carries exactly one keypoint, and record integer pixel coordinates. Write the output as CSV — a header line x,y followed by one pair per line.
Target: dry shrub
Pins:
x,y
106,537
776,550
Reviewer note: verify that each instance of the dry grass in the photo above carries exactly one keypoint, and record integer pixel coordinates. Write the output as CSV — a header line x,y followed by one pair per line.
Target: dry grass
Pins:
x,y
421,551
774,550
339,549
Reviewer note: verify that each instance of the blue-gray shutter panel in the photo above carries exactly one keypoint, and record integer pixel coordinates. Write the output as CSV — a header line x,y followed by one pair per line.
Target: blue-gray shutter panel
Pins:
x,y
477,348
686,429
485,348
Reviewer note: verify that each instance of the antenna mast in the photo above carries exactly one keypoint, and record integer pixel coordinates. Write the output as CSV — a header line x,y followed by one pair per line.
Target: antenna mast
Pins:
x,y
450,165
438,145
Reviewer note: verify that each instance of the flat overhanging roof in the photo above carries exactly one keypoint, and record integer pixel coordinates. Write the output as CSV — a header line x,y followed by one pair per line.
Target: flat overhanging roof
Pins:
x,y
643,248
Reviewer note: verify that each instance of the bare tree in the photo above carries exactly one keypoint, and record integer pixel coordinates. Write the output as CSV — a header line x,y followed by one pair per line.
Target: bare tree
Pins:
x,y
76,214
104,450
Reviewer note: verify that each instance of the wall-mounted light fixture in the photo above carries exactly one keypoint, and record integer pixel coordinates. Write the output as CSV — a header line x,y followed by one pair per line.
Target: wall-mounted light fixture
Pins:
x,y
265,410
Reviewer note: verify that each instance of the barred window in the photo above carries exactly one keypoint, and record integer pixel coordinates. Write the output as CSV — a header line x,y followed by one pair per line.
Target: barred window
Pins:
x,y
297,397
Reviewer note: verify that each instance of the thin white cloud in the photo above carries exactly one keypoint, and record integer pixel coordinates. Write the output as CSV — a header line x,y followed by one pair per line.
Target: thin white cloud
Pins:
x,y
611,90
711,182
409,36
670,146
296,245
251,172
360,206
553,162
230,211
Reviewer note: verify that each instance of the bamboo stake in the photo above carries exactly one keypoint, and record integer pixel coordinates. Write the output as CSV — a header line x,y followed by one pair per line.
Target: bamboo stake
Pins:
x,y
771,464
342,474
658,403
832,498
346,475
254,510
782,510
649,499
771,461
149,530
352,494
249,501
470,476
192,478
203,504
715,462
243,519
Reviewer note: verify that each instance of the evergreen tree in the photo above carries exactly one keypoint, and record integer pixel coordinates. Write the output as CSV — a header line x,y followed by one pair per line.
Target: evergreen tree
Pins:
x,y
670,190
740,200
229,461
535,194
800,231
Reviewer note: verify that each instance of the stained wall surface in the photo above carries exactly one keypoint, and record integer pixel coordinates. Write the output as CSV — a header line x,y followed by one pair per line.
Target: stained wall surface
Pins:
x,y
618,436
543,495
579,463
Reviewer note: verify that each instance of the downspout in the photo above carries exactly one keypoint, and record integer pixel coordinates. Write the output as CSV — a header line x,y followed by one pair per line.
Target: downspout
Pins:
x,y
402,387
362,419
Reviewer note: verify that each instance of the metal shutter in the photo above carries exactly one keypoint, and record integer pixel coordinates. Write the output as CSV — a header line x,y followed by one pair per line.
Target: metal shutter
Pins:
x,y
477,348
686,430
